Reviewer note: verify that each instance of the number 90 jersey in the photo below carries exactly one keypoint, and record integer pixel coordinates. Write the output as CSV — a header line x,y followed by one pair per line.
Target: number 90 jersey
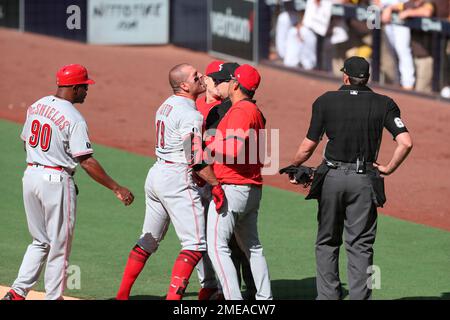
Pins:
x,y
55,133
177,121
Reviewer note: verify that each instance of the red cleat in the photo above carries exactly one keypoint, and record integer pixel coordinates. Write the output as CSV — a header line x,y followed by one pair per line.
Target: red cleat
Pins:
x,y
12,295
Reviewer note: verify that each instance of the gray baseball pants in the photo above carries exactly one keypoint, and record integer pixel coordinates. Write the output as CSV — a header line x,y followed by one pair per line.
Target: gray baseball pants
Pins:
x,y
346,206
50,203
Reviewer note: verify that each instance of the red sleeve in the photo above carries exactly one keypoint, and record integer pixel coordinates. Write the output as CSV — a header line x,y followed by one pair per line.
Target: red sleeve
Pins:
x,y
233,133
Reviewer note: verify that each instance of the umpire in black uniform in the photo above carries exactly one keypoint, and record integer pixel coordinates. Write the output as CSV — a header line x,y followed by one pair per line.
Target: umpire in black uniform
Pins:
x,y
348,184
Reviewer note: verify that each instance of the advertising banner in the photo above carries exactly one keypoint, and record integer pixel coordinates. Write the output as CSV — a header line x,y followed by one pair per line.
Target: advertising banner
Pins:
x,y
233,26
128,21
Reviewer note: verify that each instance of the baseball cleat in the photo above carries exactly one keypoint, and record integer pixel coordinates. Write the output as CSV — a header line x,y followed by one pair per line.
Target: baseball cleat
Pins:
x,y
12,295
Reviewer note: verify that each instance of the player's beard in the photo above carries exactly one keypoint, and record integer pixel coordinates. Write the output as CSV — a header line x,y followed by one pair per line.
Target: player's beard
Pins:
x,y
81,99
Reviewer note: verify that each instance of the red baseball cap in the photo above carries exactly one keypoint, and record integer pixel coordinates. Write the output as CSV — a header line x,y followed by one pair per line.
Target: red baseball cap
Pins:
x,y
248,77
214,66
73,74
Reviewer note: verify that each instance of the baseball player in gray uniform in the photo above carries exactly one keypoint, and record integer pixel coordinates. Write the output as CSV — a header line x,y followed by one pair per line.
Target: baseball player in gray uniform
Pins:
x,y
56,140
171,194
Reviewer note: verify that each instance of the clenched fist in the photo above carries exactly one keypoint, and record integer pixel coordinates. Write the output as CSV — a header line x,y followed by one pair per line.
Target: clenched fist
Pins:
x,y
124,195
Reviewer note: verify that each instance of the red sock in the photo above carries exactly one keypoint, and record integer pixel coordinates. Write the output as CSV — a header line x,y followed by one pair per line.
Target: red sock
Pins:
x,y
181,273
136,262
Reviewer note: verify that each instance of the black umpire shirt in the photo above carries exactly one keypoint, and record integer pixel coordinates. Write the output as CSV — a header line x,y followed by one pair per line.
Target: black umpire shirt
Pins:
x,y
216,114
353,119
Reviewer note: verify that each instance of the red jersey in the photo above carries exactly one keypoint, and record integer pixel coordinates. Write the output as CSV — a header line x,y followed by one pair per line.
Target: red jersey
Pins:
x,y
236,145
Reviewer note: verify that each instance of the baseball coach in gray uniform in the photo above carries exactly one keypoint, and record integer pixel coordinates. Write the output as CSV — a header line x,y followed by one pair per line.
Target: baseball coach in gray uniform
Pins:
x,y
56,140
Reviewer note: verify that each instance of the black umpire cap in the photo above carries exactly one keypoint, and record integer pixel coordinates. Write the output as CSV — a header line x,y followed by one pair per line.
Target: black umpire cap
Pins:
x,y
225,73
356,67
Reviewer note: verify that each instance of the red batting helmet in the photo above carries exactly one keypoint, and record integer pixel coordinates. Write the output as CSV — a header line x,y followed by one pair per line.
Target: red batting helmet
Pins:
x,y
72,74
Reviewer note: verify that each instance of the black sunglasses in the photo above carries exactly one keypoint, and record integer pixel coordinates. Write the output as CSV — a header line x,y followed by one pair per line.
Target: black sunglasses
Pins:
x,y
196,78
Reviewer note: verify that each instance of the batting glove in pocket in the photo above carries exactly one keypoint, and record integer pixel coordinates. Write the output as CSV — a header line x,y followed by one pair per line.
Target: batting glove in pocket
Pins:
x,y
218,197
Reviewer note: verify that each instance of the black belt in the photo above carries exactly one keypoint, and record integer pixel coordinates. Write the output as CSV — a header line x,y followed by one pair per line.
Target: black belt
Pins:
x,y
344,165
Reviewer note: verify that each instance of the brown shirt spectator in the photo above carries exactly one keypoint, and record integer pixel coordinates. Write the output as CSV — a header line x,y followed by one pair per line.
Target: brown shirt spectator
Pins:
x,y
421,42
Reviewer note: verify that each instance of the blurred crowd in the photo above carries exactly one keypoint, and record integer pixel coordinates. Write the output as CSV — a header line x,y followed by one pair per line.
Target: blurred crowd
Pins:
x,y
406,54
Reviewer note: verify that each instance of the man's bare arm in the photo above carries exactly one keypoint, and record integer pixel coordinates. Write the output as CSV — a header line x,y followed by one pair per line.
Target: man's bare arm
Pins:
x,y
305,151
404,147
96,172
207,174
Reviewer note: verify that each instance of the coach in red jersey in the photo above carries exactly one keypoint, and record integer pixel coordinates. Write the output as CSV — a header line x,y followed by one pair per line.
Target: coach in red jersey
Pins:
x,y
238,169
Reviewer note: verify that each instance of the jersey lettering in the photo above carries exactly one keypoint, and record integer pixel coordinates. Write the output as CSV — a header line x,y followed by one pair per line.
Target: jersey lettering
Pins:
x,y
35,132
46,137
160,129
40,133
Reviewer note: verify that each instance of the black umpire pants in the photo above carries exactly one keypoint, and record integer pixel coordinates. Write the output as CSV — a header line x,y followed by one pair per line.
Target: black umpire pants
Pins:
x,y
346,206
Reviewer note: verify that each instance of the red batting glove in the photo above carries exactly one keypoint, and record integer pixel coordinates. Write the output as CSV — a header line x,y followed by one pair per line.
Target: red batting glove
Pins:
x,y
218,196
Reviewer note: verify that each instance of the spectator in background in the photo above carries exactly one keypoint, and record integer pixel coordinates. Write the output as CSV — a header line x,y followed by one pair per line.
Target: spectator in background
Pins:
x,y
445,91
421,42
285,21
343,39
301,47
359,40
399,38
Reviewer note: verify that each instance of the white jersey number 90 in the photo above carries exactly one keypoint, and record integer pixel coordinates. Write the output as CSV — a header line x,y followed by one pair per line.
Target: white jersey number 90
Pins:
x,y
40,133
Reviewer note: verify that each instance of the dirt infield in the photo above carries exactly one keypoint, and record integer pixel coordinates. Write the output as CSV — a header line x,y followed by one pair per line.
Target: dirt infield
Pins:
x,y
132,82
32,295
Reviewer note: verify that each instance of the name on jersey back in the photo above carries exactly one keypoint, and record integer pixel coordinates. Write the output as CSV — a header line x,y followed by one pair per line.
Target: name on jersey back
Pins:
x,y
50,113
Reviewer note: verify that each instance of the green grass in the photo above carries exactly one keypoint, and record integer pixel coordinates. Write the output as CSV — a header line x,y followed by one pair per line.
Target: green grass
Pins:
x,y
414,259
